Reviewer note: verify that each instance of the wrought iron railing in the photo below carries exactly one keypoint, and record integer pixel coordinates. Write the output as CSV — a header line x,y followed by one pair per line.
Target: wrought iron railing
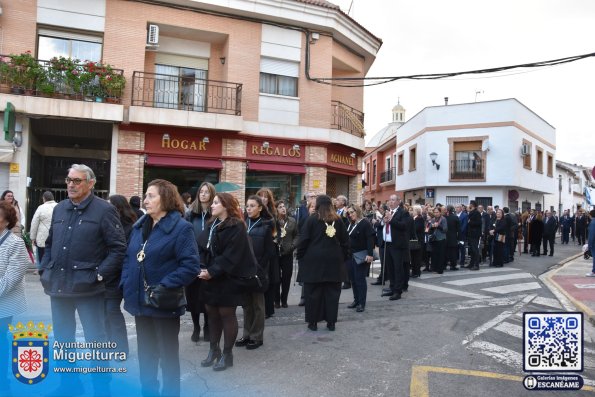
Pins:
x,y
467,169
388,176
186,93
348,119
62,78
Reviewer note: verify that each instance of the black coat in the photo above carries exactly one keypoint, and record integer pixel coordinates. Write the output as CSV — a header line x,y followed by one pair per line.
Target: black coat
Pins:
x,y
501,228
199,222
265,250
550,225
84,241
229,255
321,258
287,243
536,228
361,237
453,231
400,229
474,224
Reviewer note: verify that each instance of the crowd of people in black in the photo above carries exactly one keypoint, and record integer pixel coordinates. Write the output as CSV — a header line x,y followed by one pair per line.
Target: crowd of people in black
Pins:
x,y
208,255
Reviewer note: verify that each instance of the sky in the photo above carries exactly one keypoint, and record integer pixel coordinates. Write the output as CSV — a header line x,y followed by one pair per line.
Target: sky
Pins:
x,y
435,36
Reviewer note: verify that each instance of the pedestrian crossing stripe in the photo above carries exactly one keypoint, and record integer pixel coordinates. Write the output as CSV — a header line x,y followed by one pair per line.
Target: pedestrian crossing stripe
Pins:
x,y
489,279
507,289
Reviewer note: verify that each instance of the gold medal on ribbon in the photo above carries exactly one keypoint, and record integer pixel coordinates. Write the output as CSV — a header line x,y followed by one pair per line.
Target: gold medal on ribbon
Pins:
x,y
141,255
330,229
283,232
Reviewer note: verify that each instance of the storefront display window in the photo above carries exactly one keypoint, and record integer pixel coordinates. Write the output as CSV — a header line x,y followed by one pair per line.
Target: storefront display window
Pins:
x,y
284,187
187,180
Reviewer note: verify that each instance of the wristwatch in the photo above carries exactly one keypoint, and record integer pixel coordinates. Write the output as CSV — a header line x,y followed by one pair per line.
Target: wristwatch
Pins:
x,y
99,277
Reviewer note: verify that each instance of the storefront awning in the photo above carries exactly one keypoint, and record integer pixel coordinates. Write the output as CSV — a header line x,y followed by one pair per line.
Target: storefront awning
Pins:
x,y
182,162
280,168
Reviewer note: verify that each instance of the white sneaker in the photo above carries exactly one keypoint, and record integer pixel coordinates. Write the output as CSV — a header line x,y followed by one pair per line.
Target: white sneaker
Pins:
x,y
590,274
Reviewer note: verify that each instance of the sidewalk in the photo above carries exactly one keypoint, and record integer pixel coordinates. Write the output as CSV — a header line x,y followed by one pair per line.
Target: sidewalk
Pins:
x,y
570,280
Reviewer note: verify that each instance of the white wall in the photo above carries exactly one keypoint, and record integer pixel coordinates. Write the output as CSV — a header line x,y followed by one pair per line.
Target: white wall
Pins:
x,y
77,14
278,109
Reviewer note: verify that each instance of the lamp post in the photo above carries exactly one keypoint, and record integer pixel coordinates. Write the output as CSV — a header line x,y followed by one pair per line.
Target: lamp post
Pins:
x,y
559,194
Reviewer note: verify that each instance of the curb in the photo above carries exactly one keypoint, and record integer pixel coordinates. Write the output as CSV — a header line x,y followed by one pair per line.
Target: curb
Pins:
x,y
579,305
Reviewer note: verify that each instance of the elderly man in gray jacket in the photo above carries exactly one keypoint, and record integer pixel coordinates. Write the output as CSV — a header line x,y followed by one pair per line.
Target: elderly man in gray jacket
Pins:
x,y
86,245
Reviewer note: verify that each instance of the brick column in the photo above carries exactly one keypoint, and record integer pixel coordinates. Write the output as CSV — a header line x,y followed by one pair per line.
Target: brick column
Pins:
x,y
315,179
131,167
235,171
355,186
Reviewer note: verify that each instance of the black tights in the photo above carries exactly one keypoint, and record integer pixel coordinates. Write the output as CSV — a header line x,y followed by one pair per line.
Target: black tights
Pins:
x,y
222,319
196,320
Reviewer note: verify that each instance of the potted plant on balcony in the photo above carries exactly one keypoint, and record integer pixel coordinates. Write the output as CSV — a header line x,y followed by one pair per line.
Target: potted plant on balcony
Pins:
x,y
113,83
21,73
64,73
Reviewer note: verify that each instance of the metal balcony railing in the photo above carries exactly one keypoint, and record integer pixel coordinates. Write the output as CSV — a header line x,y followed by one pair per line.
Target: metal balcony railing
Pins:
x,y
186,93
348,119
388,176
62,78
467,169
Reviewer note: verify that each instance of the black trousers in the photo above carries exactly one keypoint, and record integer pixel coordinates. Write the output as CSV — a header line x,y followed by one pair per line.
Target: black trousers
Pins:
x,y
158,346
269,299
395,258
286,267
474,251
498,260
580,235
451,256
438,255
322,301
548,240
416,256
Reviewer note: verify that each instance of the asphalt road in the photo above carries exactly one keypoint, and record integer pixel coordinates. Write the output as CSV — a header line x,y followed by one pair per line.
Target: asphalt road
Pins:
x,y
456,334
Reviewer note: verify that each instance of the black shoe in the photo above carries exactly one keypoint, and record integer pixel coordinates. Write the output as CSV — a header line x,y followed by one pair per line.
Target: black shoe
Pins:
x,y
284,305
353,305
426,269
360,308
302,302
388,293
474,268
346,286
242,342
454,268
377,282
206,336
195,334
214,355
395,297
405,289
417,275
225,361
330,326
254,344
277,306
551,255
312,326
268,316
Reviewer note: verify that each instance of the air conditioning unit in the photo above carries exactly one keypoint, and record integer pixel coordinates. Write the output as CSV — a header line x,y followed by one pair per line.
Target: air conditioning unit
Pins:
x,y
525,150
153,36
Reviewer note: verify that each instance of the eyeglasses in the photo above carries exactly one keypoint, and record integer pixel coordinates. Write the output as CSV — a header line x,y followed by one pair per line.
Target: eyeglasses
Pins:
x,y
76,181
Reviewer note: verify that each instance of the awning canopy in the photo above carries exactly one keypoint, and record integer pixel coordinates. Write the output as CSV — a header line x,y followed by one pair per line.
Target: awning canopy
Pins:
x,y
183,162
280,168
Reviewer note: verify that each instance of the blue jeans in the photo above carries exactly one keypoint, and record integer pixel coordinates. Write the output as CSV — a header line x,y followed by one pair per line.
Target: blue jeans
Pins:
x,y
593,257
115,326
358,274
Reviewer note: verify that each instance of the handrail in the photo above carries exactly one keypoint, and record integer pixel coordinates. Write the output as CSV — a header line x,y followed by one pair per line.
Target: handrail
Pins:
x,y
346,118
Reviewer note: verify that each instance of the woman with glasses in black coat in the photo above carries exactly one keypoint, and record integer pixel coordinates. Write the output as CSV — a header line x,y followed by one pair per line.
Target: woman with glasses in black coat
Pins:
x,y
361,242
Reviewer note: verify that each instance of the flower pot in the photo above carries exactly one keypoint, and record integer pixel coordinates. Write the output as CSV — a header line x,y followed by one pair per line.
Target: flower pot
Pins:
x,y
29,91
98,99
17,90
112,100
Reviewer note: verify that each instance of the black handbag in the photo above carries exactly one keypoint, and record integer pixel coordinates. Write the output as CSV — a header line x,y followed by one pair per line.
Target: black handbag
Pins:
x,y
161,297
360,257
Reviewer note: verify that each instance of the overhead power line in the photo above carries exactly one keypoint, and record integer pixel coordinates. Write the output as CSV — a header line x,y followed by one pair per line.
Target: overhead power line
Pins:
x,y
371,81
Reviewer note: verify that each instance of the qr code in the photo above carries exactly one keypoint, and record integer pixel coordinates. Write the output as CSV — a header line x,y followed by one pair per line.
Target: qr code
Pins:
x,y
553,341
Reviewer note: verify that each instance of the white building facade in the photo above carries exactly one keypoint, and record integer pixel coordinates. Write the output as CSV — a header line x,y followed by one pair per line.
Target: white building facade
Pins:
x,y
497,153
574,188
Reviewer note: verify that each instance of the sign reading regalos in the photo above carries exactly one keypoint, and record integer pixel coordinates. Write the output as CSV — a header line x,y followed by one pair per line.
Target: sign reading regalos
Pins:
x,y
267,151
347,161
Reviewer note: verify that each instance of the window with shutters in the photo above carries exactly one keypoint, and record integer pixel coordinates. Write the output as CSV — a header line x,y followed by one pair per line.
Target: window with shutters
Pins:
x,y
68,44
279,77
539,165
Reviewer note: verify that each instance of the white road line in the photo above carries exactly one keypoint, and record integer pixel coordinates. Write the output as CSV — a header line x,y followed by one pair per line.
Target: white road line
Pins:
x,y
499,353
510,329
448,290
507,289
551,302
490,279
496,320
464,272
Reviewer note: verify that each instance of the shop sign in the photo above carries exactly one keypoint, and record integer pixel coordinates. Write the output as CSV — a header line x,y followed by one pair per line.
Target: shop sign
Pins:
x,y
183,143
430,193
259,150
14,168
342,160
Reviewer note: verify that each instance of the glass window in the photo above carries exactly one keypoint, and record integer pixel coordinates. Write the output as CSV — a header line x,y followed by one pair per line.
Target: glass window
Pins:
x,y
278,85
50,47
374,172
180,88
287,187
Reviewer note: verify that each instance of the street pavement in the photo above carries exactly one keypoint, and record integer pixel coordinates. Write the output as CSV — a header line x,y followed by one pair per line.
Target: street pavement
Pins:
x,y
457,334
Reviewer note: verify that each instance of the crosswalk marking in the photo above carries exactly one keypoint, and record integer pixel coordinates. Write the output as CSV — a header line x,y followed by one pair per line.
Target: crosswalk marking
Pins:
x,y
489,279
499,353
510,329
448,290
506,289
551,302
465,272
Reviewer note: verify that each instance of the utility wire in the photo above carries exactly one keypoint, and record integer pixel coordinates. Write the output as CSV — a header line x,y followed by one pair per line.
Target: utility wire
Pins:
x,y
371,81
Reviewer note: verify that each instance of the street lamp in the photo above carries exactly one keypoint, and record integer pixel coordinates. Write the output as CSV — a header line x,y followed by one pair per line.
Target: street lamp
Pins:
x,y
559,194
433,157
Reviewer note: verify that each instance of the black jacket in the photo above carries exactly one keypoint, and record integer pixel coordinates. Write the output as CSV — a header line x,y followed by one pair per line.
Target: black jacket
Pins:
x,y
361,237
501,228
322,258
453,231
550,225
261,236
229,252
474,224
84,240
536,228
400,229
289,241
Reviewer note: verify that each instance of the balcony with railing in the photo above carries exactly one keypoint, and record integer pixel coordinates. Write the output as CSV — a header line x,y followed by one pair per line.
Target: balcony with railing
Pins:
x,y
185,101
348,119
467,170
388,177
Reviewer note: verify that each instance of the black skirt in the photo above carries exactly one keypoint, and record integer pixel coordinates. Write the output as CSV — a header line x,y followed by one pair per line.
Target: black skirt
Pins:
x,y
221,291
194,302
